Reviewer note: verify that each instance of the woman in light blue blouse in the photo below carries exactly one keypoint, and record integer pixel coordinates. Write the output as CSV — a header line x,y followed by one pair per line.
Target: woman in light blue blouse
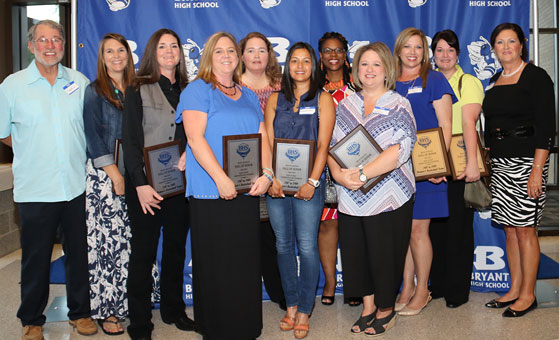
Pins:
x,y
375,227
225,226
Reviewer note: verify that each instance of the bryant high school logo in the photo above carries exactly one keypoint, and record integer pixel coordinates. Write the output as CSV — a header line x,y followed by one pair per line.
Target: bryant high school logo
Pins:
x,y
192,53
269,3
483,58
117,5
416,3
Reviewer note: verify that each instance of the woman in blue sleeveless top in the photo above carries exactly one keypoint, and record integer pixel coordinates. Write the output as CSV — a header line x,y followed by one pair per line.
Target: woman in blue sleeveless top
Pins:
x,y
300,111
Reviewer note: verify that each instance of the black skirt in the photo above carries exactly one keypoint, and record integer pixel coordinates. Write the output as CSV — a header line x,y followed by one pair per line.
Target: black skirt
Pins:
x,y
227,284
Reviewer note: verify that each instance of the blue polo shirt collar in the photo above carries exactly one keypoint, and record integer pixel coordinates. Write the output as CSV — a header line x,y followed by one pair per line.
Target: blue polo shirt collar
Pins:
x,y
33,73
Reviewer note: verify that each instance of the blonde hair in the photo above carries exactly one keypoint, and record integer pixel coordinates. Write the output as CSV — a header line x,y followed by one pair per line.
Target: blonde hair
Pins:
x,y
401,40
386,58
205,69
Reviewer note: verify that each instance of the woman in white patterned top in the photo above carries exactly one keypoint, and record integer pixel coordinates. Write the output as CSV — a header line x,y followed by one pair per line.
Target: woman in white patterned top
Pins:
x,y
375,227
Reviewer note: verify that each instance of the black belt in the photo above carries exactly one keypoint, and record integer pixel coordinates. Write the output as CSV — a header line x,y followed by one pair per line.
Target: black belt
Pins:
x,y
517,132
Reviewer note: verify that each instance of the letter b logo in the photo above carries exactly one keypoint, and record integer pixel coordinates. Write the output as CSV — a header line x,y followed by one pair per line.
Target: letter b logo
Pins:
x,y
489,258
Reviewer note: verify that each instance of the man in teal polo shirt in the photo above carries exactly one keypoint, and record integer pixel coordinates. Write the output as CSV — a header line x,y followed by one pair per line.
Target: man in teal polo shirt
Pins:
x,y
41,118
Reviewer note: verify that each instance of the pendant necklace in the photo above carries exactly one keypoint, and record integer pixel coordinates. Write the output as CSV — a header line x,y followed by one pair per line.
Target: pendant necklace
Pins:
x,y
411,86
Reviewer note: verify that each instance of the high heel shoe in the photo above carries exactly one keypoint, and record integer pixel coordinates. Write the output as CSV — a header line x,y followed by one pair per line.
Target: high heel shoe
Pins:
x,y
328,300
409,312
399,306
499,304
511,313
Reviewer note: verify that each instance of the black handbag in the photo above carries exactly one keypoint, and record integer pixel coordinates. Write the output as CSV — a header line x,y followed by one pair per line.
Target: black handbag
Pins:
x,y
477,195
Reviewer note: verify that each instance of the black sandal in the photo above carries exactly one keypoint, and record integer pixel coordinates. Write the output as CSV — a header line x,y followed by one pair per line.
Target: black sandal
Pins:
x,y
101,322
382,325
328,303
354,301
363,322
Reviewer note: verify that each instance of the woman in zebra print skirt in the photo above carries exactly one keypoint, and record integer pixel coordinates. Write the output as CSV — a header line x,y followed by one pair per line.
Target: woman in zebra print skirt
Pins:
x,y
520,126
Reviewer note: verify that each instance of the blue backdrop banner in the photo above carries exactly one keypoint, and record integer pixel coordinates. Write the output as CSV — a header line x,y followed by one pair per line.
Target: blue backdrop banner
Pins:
x,y
285,22
289,21
490,271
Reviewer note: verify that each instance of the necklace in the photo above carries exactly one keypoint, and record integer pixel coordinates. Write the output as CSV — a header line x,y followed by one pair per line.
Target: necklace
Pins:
x,y
513,72
234,87
227,87
411,86
334,85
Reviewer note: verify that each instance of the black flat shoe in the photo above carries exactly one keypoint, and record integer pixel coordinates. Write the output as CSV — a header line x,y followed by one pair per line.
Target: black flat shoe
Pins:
x,y
511,313
328,300
184,323
499,304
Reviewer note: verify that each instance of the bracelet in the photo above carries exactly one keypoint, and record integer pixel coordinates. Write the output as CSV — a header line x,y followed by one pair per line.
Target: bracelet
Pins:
x,y
537,166
270,170
269,178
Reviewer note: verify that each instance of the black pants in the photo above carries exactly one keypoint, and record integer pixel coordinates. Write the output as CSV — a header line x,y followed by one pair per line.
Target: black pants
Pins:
x,y
173,216
269,257
374,252
39,222
453,248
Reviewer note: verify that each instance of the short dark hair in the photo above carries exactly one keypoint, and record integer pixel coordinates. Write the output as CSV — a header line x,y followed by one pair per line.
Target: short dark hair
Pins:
x,y
519,33
449,36
287,84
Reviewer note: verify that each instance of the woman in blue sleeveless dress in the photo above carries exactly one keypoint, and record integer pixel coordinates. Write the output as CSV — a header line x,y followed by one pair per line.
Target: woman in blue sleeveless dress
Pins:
x,y
431,99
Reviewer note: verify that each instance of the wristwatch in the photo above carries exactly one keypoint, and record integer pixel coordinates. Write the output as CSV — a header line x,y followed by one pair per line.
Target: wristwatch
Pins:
x,y
315,183
362,176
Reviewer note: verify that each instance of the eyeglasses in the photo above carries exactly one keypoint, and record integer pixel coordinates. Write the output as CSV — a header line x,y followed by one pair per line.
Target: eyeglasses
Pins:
x,y
337,50
44,41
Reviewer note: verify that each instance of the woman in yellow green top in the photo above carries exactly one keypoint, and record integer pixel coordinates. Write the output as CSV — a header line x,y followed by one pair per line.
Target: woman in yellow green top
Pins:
x,y
453,237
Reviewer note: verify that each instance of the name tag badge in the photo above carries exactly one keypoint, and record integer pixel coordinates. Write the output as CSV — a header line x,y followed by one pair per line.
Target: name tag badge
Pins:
x,y
308,110
381,110
71,87
415,89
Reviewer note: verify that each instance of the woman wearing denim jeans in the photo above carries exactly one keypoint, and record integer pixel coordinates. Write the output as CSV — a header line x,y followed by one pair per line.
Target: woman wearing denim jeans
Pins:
x,y
297,217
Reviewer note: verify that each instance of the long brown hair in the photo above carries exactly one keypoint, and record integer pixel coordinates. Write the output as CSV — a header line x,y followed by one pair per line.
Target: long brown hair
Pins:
x,y
205,69
149,72
401,40
273,69
103,81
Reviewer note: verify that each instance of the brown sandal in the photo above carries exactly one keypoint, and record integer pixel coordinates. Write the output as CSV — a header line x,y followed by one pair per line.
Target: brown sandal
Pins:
x,y
301,328
287,324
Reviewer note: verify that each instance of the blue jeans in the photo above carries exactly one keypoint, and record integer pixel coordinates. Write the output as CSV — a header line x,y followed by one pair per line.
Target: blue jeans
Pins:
x,y
294,219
